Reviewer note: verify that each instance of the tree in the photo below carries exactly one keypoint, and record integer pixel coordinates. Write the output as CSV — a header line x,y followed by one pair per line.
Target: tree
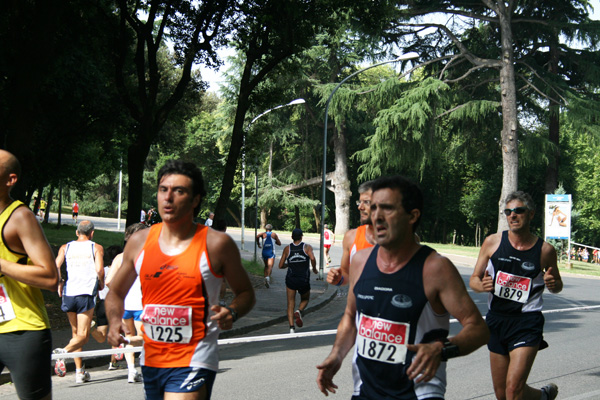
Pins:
x,y
446,46
58,108
195,29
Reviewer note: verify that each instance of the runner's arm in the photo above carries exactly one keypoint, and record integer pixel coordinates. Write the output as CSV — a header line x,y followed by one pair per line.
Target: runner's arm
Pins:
x,y
23,233
442,281
99,263
311,255
335,275
480,280
258,237
552,277
346,334
120,285
277,241
284,256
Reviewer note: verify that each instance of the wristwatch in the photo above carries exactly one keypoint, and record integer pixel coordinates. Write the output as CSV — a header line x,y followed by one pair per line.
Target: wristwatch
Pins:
x,y
449,350
234,314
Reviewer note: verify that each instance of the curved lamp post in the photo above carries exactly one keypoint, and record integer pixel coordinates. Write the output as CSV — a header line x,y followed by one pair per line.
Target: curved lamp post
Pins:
x,y
291,103
407,56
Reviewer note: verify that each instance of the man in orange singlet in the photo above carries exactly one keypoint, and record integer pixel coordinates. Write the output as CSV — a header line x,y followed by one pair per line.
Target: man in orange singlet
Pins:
x,y
181,265
355,239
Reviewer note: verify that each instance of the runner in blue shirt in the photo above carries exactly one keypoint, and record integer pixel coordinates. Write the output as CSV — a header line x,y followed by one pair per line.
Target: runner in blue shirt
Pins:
x,y
268,252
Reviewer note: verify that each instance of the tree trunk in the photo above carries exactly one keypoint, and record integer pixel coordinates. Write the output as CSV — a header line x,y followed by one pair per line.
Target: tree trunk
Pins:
x,y
263,217
136,158
510,153
234,216
341,184
49,203
296,217
553,128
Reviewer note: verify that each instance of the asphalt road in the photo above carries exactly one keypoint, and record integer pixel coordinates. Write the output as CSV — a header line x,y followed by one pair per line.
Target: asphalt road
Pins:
x,y
284,368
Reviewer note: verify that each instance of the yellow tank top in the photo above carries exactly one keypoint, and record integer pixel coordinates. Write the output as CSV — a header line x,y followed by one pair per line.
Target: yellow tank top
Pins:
x,y
27,302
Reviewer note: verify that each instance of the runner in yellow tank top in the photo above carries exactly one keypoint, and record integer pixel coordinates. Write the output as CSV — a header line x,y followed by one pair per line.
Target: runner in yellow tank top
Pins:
x,y
26,266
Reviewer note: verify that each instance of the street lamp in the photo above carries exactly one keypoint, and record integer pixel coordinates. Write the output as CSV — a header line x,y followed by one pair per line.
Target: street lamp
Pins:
x,y
407,56
291,103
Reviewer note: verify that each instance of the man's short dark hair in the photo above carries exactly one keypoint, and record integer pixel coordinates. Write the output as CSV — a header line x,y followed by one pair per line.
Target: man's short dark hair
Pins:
x,y
110,253
133,228
179,167
412,196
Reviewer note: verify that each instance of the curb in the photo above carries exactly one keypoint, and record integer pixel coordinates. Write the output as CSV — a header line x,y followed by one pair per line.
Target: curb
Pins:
x,y
319,303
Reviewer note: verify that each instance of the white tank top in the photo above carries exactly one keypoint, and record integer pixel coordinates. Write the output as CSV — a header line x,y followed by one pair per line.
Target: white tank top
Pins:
x,y
133,300
81,268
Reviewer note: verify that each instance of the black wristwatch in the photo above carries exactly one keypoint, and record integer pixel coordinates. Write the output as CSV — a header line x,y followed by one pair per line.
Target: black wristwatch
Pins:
x,y
449,350
233,313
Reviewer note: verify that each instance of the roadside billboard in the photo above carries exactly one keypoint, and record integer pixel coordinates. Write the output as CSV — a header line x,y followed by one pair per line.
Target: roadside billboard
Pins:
x,y
558,216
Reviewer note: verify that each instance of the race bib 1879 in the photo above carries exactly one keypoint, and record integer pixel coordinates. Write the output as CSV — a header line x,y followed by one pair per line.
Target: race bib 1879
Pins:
x,y
166,323
512,287
382,340
6,309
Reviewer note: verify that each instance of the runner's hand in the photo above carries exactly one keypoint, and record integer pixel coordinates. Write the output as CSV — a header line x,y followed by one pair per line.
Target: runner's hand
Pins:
x,y
223,317
327,370
116,334
426,362
550,280
488,282
334,276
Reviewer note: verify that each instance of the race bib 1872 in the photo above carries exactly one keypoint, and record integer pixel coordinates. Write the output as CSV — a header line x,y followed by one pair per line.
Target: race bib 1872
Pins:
x,y
512,287
382,340
6,309
166,323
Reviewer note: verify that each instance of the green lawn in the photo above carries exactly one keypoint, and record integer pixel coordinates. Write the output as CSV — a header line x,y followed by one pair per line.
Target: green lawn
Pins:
x,y
577,267
66,233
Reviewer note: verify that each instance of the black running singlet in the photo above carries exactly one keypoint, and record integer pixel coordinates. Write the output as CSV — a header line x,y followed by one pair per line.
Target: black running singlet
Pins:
x,y
518,278
392,311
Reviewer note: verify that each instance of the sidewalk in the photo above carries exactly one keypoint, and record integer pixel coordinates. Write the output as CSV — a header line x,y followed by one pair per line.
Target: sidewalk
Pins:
x,y
270,309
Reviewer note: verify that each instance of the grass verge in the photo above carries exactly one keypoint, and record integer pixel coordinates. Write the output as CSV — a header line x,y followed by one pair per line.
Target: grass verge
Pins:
x,y
253,268
59,235
576,267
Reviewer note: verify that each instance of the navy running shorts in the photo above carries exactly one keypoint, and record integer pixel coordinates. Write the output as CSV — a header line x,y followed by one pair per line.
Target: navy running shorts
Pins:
x,y
27,354
510,332
78,304
157,381
299,284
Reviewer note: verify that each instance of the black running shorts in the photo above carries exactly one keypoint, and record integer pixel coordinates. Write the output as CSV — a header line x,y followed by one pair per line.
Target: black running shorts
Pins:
x,y
510,332
27,355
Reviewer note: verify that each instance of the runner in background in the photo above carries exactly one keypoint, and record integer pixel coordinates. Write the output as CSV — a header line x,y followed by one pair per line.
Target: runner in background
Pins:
x,y
269,238
328,241
514,266
355,239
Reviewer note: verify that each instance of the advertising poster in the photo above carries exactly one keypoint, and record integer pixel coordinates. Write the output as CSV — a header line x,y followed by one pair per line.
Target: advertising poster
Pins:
x,y
558,216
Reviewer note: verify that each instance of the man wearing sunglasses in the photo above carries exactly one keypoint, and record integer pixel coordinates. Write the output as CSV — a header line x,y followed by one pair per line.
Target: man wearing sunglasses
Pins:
x,y
514,266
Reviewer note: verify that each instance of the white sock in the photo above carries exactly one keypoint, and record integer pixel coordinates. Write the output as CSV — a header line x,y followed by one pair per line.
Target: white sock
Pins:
x,y
79,370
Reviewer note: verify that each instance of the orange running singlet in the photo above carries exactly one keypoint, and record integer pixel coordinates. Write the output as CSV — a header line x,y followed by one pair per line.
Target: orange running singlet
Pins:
x,y
360,241
177,293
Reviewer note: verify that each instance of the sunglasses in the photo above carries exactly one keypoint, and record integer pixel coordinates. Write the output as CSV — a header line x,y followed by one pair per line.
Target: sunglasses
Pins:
x,y
516,210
